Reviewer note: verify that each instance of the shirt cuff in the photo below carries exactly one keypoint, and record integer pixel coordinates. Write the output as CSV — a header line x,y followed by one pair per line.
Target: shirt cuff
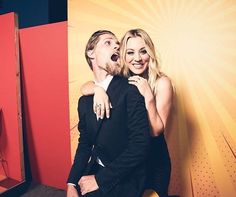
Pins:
x,y
71,184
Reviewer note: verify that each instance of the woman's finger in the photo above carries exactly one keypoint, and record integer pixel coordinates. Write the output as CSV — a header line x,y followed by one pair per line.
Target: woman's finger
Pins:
x,y
107,107
135,78
102,111
98,110
133,83
94,107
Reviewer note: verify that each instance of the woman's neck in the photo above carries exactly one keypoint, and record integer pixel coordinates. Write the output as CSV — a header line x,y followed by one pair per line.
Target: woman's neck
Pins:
x,y
144,74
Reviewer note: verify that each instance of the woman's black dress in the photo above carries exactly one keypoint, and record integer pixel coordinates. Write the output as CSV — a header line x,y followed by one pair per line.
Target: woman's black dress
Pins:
x,y
158,166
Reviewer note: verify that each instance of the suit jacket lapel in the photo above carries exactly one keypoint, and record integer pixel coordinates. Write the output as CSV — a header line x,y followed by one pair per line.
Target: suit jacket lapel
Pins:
x,y
92,116
114,90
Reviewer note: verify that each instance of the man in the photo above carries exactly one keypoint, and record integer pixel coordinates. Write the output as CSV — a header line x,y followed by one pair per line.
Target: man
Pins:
x,y
111,153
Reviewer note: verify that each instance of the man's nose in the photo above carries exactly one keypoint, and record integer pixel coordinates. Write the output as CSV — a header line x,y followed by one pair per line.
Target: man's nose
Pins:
x,y
116,46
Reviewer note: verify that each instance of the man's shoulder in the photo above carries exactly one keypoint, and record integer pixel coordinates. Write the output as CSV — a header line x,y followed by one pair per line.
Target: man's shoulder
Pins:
x,y
124,84
120,79
84,99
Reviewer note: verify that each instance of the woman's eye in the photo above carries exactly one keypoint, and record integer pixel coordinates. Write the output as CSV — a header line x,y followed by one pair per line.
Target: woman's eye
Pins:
x,y
130,52
143,52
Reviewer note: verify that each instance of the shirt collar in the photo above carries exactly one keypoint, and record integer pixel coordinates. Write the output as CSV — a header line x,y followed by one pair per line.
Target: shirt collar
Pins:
x,y
105,83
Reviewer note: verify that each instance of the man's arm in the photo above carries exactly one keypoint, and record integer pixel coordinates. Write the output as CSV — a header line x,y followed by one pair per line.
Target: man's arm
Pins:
x,y
83,151
138,143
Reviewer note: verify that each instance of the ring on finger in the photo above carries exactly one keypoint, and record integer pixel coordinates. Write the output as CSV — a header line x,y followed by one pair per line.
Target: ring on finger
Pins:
x,y
98,106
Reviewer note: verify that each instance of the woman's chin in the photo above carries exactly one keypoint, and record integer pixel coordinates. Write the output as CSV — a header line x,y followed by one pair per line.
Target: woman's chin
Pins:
x,y
137,71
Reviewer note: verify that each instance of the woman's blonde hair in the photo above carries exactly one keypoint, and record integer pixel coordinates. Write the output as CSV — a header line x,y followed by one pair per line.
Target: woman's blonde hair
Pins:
x,y
153,72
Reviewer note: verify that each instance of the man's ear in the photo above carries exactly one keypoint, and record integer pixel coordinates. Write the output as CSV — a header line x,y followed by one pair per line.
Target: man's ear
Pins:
x,y
90,54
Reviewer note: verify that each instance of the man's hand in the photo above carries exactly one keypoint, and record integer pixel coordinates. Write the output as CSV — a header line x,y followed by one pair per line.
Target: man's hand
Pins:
x,y
71,191
88,184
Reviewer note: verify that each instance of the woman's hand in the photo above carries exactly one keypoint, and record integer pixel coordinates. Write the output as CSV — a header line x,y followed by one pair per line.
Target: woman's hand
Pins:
x,y
101,103
142,86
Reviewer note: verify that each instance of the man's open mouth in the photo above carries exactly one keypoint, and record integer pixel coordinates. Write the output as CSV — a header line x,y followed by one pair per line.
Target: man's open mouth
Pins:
x,y
115,57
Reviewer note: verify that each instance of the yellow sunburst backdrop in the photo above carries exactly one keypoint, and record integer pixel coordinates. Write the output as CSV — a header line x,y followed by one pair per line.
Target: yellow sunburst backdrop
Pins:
x,y
196,43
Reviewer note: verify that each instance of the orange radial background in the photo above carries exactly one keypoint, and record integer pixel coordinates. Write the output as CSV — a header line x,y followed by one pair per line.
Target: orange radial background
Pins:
x,y
196,44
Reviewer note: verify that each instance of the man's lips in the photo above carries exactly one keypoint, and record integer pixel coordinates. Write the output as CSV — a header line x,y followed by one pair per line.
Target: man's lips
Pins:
x,y
115,57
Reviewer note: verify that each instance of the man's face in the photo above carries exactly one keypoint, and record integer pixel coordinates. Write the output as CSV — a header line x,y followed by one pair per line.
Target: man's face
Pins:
x,y
106,54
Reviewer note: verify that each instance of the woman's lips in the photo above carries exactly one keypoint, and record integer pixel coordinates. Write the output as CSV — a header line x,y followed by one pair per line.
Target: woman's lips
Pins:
x,y
138,66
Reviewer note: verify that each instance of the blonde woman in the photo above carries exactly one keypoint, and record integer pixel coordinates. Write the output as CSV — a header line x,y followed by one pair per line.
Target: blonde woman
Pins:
x,y
140,65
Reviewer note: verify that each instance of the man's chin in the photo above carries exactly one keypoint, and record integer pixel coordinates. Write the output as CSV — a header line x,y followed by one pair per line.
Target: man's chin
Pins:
x,y
114,72
113,69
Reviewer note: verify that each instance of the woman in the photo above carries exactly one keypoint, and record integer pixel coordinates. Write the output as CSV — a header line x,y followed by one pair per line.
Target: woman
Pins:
x,y
139,63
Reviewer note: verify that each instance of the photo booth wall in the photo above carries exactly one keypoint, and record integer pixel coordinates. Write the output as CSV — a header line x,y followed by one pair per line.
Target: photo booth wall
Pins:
x,y
44,59
11,144
196,44
44,93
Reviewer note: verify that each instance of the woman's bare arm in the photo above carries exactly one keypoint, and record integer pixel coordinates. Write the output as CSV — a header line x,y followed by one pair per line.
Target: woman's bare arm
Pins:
x,y
101,103
88,88
159,108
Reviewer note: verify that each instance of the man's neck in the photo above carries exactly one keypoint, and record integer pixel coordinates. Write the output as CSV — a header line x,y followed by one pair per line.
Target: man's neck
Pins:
x,y
100,75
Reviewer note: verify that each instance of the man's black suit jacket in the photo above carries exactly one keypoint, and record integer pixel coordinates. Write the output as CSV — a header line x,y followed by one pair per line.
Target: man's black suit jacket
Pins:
x,y
121,142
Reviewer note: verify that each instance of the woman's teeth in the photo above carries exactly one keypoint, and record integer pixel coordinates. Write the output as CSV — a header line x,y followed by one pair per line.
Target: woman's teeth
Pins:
x,y
138,65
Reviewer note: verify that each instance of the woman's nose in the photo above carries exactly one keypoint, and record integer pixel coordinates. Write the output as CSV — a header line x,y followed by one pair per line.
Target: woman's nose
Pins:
x,y
137,57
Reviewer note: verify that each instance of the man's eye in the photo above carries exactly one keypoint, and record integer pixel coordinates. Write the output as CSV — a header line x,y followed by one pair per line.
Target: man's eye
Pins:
x,y
107,42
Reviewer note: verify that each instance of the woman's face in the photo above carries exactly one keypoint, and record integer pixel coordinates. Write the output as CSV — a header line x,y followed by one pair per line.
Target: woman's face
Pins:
x,y
136,56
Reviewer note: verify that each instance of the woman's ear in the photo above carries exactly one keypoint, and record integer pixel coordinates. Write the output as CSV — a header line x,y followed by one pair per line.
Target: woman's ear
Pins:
x,y
90,54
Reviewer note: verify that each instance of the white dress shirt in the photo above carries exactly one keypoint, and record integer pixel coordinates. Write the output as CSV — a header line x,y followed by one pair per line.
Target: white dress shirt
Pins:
x,y
105,83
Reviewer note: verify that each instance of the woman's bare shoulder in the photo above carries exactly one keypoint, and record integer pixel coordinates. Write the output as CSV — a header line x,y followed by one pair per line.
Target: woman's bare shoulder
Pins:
x,y
164,82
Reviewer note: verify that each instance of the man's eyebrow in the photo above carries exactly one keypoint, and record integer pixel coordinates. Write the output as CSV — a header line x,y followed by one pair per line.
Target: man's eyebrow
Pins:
x,y
110,38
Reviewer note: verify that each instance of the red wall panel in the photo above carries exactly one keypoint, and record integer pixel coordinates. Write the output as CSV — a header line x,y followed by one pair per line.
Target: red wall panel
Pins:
x,y
46,103
11,125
